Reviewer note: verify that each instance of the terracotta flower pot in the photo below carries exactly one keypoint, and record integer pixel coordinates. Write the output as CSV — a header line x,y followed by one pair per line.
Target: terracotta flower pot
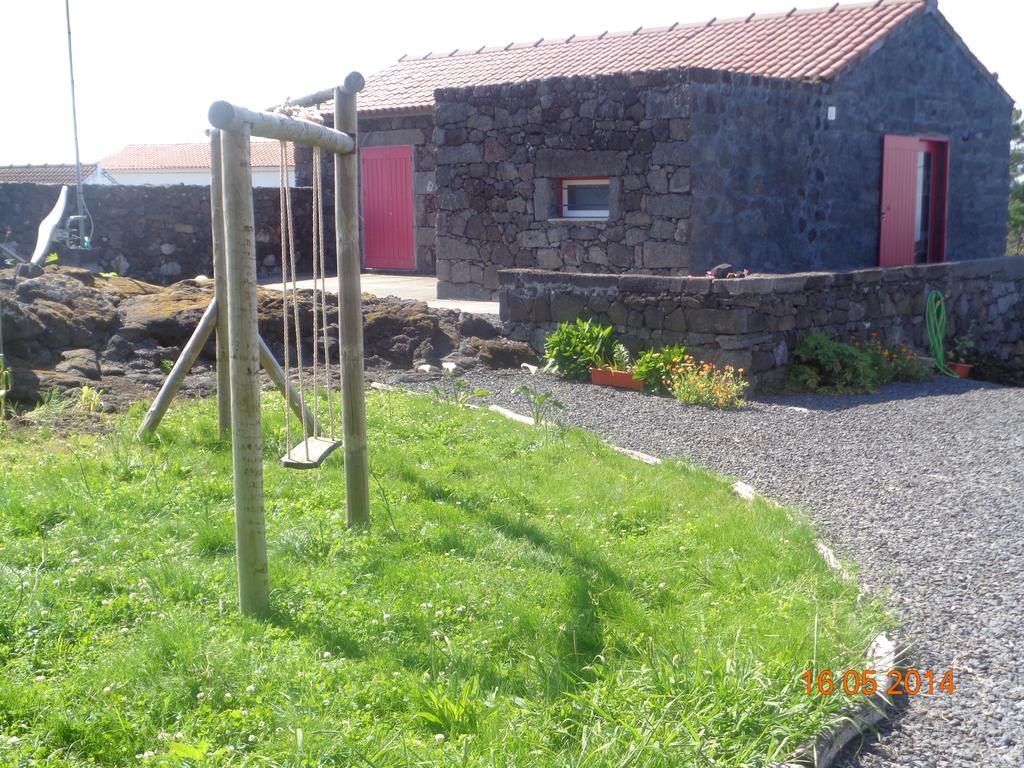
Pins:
x,y
610,378
963,370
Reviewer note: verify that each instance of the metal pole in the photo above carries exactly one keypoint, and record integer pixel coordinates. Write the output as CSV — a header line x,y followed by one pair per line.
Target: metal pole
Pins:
x,y
350,311
79,198
243,335
220,286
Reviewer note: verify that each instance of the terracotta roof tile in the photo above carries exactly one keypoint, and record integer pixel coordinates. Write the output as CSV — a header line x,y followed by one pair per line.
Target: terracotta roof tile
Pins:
x,y
150,157
43,174
802,45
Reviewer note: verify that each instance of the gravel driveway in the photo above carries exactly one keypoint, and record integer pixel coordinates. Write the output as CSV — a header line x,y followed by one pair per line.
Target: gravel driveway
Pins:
x,y
921,485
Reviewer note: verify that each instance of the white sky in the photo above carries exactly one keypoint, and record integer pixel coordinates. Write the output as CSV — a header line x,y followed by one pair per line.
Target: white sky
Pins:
x,y
146,71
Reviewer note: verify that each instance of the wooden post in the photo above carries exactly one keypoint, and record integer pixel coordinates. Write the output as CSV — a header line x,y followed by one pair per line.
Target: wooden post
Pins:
x,y
288,389
182,366
220,286
269,125
350,310
243,335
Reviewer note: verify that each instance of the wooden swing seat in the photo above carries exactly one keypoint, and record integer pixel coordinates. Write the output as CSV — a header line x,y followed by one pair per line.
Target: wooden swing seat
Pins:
x,y
310,453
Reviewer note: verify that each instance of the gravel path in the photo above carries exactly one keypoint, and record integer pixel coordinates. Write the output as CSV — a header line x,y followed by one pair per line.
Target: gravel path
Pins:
x,y
922,485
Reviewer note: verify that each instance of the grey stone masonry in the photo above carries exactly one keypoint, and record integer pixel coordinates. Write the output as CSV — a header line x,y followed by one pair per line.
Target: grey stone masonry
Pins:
x,y
158,234
754,322
503,151
921,82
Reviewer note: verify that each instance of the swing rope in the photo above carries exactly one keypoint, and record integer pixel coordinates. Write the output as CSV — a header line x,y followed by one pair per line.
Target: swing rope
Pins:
x,y
282,184
319,255
316,324
291,308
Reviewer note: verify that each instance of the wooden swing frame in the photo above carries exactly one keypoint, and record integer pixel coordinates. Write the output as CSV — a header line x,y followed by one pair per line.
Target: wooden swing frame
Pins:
x,y
233,314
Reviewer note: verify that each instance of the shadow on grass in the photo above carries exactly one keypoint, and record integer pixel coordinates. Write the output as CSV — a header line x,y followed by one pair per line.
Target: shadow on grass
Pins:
x,y
333,638
593,586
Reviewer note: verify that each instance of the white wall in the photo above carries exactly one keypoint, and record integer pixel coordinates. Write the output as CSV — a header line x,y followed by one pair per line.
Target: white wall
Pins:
x,y
99,177
260,177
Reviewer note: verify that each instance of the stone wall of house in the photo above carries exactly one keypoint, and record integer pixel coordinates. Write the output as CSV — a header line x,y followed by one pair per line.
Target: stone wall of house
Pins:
x,y
503,150
921,81
754,156
390,130
754,323
158,234
778,187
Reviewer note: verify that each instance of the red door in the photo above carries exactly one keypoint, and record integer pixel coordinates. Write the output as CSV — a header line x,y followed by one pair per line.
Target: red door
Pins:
x,y
388,241
914,188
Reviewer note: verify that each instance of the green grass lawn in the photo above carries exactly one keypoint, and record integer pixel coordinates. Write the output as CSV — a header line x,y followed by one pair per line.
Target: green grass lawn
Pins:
x,y
525,598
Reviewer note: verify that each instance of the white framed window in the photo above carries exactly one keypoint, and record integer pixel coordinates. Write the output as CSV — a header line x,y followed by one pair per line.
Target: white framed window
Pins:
x,y
585,198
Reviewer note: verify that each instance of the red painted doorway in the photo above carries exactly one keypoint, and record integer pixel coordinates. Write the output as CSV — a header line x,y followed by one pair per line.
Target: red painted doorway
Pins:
x,y
915,172
388,240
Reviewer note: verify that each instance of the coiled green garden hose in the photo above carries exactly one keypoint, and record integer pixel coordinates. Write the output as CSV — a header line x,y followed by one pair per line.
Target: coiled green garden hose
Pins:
x,y
935,316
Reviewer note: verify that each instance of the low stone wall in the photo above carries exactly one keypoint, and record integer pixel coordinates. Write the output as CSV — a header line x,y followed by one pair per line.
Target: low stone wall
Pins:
x,y
755,322
158,234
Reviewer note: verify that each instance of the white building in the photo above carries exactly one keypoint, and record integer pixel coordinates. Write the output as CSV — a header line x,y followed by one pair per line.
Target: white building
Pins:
x,y
61,174
167,164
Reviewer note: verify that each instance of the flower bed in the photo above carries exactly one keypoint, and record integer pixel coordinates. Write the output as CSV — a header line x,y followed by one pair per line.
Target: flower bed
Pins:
x,y
822,364
575,349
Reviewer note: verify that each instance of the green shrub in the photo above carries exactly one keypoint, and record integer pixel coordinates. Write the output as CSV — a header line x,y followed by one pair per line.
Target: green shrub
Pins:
x,y
834,366
655,367
822,364
574,348
895,363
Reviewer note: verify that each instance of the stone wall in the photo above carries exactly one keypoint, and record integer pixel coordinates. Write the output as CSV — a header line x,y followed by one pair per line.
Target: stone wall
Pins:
x,y
390,130
755,322
158,234
503,150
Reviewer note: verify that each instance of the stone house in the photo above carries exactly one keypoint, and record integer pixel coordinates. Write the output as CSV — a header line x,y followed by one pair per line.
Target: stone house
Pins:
x,y
835,139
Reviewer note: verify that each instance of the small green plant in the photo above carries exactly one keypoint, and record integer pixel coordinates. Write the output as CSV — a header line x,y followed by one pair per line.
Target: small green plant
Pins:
x,y
962,348
574,348
656,367
542,404
451,711
90,398
52,258
706,384
456,391
51,408
166,365
622,360
897,363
